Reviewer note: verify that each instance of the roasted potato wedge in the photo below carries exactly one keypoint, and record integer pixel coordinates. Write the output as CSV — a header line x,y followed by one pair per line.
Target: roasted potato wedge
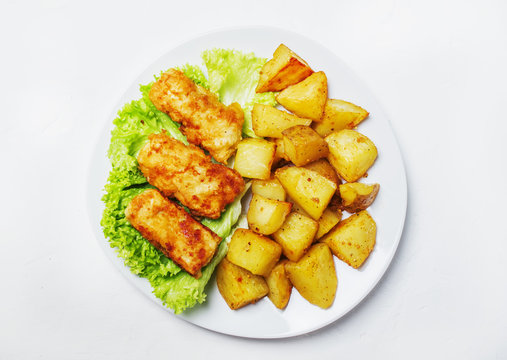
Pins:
x,y
357,196
327,221
254,158
307,188
339,115
353,239
306,99
314,276
296,235
284,69
239,287
297,208
303,145
271,189
280,287
265,216
268,121
256,253
324,168
351,153
280,155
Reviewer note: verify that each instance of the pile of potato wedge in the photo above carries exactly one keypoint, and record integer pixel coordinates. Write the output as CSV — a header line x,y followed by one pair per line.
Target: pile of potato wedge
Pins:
x,y
305,165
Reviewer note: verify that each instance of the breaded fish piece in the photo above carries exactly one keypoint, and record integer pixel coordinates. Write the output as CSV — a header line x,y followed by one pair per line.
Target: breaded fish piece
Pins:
x,y
206,121
186,173
173,231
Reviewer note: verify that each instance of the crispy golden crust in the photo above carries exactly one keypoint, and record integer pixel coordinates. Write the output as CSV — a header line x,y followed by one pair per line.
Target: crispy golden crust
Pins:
x,y
186,173
173,231
206,121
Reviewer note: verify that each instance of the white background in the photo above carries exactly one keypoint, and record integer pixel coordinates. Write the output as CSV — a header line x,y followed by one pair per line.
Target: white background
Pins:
x,y
437,67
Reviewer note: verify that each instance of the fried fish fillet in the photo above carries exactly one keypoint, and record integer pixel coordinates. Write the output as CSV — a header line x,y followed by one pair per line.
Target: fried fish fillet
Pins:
x,y
173,231
186,173
206,121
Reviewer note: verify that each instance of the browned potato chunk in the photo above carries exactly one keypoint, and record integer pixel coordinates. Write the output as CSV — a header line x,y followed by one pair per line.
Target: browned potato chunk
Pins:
x,y
265,216
353,239
271,189
268,121
351,153
314,276
239,287
297,209
254,158
279,285
280,155
296,235
339,115
306,99
327,221
357,196
284,69
324,168
307,188
253,252
303,145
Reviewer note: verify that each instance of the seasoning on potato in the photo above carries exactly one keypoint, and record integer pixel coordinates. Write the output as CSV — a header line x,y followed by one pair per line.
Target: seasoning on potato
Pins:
x,y
324,168
306,99
265,216
357,196
281,157
280,287
353,239
284,69
303,145
239,287
314,276
256,253
308,188
271,189
339,115
296,235
327,221
254,158
268,121
298,191
351,153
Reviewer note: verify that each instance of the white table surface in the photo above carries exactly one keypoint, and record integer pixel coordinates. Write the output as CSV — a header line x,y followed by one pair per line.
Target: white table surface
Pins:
x,y
437,67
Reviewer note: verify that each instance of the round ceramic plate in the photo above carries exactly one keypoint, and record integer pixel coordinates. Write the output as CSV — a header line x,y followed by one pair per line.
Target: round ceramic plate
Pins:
x,y
263,320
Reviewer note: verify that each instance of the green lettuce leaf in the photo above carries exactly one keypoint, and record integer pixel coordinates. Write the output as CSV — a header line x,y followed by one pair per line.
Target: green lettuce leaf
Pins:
x,y
134,123
194,73
233,76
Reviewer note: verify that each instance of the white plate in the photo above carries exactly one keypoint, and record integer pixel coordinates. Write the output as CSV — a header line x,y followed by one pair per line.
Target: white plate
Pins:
x,y
263,320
